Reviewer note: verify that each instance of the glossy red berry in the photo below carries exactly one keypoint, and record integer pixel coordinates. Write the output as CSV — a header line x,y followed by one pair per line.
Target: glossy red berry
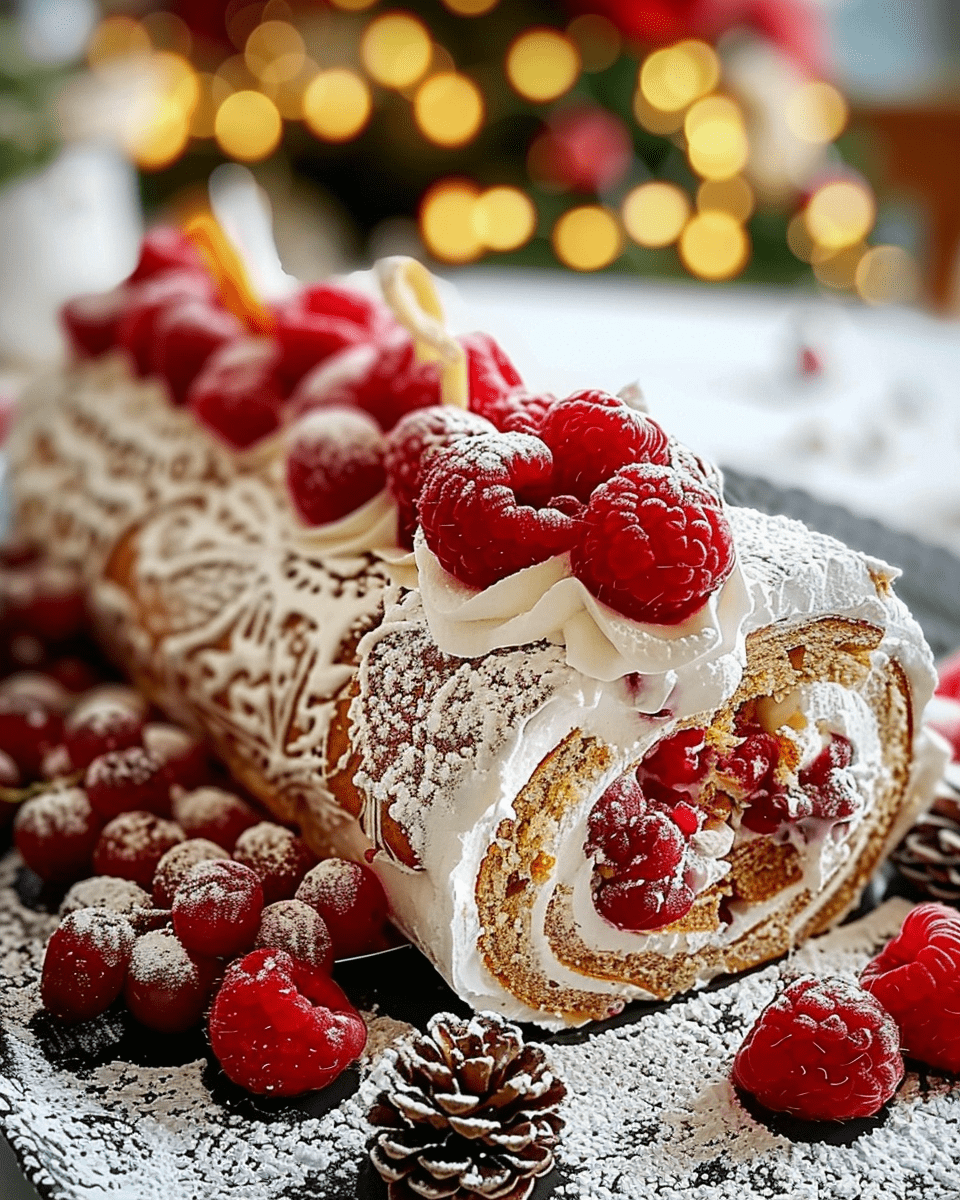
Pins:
x,y
334,463
91,321
85,964
28,731
184,757
185,336
323,319
212,813
123,780
165,248
177,864
168,988
298,929
217,907
132,844
147,302
279,858
352,902
56,833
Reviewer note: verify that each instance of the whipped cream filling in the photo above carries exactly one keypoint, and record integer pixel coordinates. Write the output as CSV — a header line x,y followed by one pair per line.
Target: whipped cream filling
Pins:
x,y
546,601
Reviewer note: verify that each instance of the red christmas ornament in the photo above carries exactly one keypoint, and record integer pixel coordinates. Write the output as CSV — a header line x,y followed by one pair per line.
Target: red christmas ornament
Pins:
x,y
587,149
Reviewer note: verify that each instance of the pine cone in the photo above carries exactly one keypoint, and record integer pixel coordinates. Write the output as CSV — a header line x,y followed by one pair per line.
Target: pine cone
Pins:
x,y
468,1110
929,856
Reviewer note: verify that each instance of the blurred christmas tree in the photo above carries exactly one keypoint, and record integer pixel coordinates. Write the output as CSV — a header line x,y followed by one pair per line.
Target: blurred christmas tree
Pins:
x,y
651,136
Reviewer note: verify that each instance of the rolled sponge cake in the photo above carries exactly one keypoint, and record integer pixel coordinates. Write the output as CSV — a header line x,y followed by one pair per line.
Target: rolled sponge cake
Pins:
x,y
477,780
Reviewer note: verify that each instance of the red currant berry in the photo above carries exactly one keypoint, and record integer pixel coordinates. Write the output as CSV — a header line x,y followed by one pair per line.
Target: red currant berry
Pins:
x,y
217,907
212,813
92,730
183,756
124,780
85,964
352,902
132,844
176,865
105,891
167,988
56,833
279,857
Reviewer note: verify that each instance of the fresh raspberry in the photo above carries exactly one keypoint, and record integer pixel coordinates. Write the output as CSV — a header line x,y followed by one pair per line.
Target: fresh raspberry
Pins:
x,y
749,771
521,412
639,843
679,760
217,907
916,977
334,463
167,987
824,791
280,1027
183,756
490,374
948,672
655,545
823,1050
105,891
352,902
85,963
91,321
97,729
56,833
123,780
298,929
410,446
146,303
177,864
210,812
132,844
165,248
592,435
473,513
185,336
279,857
28,731
321,320
238,393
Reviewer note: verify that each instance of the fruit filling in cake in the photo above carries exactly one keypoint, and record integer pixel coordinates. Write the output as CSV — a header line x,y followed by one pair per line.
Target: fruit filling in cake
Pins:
x,y
663,835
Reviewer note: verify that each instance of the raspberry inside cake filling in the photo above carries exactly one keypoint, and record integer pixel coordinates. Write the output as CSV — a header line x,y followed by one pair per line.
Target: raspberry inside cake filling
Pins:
x,y
798,772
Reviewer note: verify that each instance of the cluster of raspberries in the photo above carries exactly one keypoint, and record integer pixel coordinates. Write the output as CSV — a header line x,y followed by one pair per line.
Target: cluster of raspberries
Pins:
x,y
830,1050
586,475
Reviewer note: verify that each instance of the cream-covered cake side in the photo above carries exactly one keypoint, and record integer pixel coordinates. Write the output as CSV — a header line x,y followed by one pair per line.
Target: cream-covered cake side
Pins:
x,y
492,766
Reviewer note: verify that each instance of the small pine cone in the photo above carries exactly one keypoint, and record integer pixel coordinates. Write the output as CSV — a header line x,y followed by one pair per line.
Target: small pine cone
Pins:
x,y
929,856
468,1110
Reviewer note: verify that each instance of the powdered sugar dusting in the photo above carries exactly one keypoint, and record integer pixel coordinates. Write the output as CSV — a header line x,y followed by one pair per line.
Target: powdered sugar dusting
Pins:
x,y
105,891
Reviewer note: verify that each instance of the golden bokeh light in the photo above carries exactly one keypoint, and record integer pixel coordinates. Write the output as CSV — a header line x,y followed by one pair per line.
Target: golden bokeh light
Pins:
x,y
447,223
655,120
542,64
236,74
716,138
248,126
733,196
655,213
288,96
470,8
275,52
396,49
164,138
587,238
714,246
353,5
116,38
449,109
840,214
168,32
337,105
837,269
817,112
672,78
798,238
212,92
887,275
504,218
597,39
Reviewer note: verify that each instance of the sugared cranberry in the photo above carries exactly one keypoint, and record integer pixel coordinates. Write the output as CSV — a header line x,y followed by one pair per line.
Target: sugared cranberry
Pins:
x,y
334,463
85,964
56,833
39,686
123,780
105,891
135,329
165,248
183,756
279,857
132,844
185,336
217,907
280,1027
176,865
297,928
212,813
239,393
96,729
352,902
167,987
46,600
321,320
